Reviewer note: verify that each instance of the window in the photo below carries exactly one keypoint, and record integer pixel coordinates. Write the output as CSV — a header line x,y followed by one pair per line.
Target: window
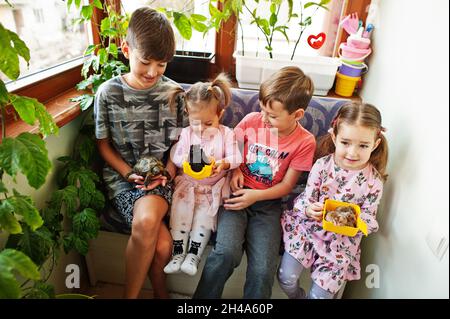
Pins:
x,y
47,29
254,40
197,42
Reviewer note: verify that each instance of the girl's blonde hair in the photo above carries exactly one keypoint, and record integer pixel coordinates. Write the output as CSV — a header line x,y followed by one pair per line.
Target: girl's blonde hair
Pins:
x,y
218,90
366,115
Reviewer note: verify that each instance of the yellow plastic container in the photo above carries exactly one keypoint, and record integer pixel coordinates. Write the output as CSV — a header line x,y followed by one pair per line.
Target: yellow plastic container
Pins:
x,y
331,204
345,85
205,172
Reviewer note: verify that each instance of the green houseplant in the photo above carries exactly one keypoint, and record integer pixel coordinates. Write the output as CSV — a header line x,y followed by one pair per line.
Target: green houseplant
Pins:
x,y
35,237
251,66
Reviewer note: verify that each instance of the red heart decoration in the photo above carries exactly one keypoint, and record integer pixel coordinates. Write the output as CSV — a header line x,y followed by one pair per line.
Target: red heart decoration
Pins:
x,y
316,41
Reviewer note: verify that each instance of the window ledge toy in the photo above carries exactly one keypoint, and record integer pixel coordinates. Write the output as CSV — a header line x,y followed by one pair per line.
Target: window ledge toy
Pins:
x,y
148,167
343,218
195,169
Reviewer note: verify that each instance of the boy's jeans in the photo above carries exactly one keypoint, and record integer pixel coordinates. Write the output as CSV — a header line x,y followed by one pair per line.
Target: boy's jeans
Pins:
x,y
256,229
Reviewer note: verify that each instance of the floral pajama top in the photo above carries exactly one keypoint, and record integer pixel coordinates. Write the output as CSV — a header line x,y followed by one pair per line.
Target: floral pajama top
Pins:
x,y
333,258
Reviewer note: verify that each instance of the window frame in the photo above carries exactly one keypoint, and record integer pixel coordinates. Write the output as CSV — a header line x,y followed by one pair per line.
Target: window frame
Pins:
x,y
51,87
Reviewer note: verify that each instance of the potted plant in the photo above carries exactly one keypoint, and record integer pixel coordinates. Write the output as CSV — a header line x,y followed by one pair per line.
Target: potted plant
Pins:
x,y
34,237
188,66
252,67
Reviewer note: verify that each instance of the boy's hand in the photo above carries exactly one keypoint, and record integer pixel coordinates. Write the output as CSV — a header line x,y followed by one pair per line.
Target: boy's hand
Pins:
x,y
237,180
135,178
219,167
156,181
314,211
243,199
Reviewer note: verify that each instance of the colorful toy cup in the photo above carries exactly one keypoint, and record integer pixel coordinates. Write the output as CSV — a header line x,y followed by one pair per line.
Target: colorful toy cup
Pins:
x,y
330,205
351,53
204,173
345,85
353,70
352,62
358,42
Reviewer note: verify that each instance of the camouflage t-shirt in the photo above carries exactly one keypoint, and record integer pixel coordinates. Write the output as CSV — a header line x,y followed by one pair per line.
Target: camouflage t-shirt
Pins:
x,y
137,122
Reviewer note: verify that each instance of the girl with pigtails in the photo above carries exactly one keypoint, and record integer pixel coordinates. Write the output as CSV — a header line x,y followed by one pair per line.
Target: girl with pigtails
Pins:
x,y
351,168
196,201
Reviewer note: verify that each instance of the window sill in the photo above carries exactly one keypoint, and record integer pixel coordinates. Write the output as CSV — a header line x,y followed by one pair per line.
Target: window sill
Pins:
x,y
60,108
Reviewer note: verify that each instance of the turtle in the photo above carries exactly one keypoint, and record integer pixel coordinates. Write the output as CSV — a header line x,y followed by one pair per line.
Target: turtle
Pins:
x,y
342,216
149,166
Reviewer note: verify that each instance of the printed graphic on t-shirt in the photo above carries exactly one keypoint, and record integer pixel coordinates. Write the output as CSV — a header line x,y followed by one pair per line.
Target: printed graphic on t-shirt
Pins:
x,y
263,162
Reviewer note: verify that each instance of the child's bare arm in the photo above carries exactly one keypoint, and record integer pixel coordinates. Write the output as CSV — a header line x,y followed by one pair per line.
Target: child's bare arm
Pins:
x,y
171,168
247,197
112,157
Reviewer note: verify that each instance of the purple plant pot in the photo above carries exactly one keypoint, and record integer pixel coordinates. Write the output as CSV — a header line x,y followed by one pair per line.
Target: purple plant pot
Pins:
x,y
353,70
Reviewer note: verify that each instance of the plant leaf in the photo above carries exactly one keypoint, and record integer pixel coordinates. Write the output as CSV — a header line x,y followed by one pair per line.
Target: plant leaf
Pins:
x,y
41,290
24,107
98,200
24,206
36,244
67,196
20,46
28,154
85,101
10,260
98,4
7,219
86,12
86,224
47,125
183,25
4,96
87,149
112,49
9,59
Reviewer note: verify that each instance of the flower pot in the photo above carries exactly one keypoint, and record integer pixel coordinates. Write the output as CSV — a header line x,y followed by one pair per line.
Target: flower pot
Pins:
x,y
252,69
189,66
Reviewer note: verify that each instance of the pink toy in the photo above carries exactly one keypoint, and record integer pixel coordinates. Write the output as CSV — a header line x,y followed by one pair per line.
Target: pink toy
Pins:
x,y
351,53
316,41
350,23
358,42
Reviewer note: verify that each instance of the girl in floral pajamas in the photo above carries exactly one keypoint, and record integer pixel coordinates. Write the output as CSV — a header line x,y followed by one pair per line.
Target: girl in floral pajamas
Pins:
x,y
352,170
195,202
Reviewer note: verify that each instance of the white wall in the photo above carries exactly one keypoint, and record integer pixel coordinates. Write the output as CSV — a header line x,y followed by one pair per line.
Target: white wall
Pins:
x,y
408,82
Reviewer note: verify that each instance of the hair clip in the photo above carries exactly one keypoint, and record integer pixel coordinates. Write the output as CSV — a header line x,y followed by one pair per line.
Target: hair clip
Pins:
x,y
333,122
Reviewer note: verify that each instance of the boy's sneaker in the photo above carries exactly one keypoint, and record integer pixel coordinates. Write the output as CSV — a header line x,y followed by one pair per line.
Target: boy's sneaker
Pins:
x,y
190,264
174,264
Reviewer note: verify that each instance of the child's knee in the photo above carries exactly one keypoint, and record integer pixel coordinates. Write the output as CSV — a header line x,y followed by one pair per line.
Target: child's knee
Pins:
x,y
146,224
286,277
228,253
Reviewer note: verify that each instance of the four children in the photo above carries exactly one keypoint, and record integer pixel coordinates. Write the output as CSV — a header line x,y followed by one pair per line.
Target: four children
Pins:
x,y
135,117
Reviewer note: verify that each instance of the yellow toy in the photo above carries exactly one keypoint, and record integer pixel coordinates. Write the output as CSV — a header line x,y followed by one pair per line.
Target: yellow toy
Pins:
x,y
331,205
198,170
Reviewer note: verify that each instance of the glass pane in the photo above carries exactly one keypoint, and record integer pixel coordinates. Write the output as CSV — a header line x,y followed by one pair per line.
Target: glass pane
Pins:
x,y
197,42
47,29
254,39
